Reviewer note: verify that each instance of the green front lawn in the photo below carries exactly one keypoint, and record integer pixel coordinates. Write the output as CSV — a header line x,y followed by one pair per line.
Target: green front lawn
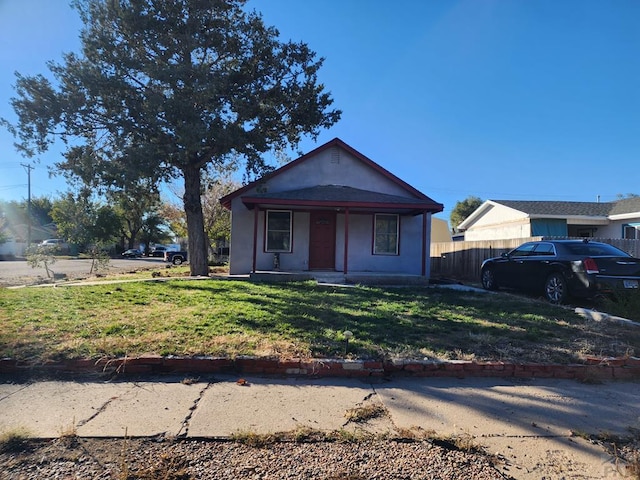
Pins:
x,y
231,318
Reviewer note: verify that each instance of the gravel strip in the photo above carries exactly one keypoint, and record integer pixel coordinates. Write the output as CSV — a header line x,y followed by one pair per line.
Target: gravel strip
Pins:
x,y
81,458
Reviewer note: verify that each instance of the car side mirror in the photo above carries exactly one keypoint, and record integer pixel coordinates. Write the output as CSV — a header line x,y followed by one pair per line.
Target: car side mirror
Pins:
x,y
504,254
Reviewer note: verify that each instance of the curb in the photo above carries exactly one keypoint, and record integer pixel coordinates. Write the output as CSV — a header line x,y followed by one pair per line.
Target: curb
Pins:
x,y
597,316
595,369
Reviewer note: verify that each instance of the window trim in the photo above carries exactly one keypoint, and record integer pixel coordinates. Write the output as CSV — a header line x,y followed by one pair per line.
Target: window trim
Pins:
x,y
266,232
397,235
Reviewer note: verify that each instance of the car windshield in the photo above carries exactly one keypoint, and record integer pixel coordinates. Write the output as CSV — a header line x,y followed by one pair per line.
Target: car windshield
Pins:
x,y
595,250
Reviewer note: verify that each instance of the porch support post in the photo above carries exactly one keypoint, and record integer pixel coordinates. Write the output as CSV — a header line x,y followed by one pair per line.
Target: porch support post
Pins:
x,y
256,211
424,243
346,240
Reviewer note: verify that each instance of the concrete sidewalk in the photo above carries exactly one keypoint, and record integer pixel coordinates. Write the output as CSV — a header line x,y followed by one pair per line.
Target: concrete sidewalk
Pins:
x,y
528,423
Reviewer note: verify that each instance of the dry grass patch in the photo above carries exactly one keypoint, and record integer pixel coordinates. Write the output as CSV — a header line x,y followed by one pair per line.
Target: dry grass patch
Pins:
x,y
364,413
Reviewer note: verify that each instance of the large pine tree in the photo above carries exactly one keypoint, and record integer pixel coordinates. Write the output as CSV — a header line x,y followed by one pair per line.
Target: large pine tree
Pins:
x,y
170,88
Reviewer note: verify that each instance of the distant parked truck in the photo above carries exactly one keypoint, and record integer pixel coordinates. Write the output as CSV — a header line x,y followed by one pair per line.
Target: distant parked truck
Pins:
x,y
56,244
157,251
177,258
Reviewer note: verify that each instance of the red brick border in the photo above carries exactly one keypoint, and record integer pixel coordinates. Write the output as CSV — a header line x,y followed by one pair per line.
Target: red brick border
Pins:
x,y
593,369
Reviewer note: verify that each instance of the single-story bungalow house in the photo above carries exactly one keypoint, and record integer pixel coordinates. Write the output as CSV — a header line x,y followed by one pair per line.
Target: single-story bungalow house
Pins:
x,y
505,219
331,210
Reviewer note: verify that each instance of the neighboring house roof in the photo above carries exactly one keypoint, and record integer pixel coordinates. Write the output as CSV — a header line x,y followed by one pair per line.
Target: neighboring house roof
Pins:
x,y
562,209
625,206
628,207
330,193
19,232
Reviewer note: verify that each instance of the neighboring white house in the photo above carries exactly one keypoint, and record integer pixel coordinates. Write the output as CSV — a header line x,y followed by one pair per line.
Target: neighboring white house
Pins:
x,y
332,209
505,219
16,243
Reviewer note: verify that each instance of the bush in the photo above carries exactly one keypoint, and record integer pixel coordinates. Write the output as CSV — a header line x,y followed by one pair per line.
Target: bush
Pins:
x,y
41,256
623,303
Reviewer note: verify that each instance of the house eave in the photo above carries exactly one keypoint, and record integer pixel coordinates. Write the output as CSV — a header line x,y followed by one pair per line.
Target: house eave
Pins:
x,y
401,208
625,216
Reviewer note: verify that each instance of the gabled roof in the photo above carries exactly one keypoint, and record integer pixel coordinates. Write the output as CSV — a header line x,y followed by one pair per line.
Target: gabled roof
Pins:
x,y
588,209
551,209
426,202
626,205
330,196
20,232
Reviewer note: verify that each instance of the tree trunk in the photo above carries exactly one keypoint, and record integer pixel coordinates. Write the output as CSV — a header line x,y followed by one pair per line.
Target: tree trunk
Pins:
x,y
134,236
197,240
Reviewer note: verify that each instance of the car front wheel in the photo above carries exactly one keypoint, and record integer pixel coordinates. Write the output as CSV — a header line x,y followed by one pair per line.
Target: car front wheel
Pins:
x,y
555,288
177,260
488,278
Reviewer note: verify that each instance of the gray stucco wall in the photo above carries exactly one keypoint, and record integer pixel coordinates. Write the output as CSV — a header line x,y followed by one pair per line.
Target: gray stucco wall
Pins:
x,y
361,257
326,169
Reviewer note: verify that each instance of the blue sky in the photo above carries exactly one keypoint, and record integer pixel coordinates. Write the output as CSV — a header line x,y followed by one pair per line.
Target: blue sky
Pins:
x,y
501,99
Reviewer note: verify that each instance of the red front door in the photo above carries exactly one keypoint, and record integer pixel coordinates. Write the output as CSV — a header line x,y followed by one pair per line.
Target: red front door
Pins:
x,y
322,241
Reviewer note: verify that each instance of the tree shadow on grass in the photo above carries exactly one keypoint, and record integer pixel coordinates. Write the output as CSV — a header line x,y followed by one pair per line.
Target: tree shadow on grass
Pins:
x,y
415,321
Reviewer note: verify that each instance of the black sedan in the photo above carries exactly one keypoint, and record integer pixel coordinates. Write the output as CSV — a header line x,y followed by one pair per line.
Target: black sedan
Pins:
x,y
562,268
132,253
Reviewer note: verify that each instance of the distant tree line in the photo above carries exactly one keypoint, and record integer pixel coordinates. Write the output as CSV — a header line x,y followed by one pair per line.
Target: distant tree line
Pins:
x,y
119,220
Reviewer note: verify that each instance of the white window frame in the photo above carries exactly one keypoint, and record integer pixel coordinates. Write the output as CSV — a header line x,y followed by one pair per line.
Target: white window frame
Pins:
x,y
268,248
396,234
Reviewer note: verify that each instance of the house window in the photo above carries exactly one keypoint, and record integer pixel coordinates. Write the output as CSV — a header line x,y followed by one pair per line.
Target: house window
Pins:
x,y
278,231
386,235
630,232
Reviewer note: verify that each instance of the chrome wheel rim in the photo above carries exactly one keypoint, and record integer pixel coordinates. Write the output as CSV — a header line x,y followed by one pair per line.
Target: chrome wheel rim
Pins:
x,y
487,279
555,289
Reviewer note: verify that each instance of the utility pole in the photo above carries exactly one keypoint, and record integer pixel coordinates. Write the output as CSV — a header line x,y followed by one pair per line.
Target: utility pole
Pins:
x,y
28,168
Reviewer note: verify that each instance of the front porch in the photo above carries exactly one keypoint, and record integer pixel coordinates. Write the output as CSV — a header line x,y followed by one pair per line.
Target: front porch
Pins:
x,y
339,278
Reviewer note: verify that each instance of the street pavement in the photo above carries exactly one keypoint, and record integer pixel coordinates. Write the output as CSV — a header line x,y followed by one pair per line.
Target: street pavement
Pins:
x,y
530,424
19,272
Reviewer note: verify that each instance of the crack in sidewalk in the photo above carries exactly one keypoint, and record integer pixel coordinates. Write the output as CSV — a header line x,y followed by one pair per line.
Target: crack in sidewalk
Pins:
x,y
371,407
184,429
104,406
17,391
101,409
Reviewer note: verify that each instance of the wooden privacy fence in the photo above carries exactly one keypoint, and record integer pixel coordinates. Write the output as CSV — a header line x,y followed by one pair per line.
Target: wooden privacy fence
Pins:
x,y
462,260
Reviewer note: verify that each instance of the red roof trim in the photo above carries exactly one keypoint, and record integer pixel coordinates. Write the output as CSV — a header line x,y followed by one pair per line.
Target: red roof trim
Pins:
x,y
336,142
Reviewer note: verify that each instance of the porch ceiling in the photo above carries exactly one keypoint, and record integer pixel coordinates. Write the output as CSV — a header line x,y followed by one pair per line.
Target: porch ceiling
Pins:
x,y
340,197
